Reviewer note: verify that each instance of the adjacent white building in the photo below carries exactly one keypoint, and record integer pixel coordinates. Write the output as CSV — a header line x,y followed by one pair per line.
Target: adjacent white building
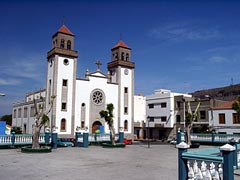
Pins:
x,y
139,116
79,100
162,112
139,108
23,112
224,119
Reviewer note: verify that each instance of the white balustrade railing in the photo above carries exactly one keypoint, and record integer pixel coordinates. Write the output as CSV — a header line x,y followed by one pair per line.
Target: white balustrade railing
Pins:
x,y
5,139
204,171
219,138
19,139
101,137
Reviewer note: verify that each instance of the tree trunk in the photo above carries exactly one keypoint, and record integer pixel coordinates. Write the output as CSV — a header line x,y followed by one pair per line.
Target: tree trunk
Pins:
x,y
188,135
35,138
112,135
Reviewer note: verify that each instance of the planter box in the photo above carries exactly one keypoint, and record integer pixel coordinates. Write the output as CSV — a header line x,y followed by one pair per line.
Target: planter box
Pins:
x,y
118,145
195,145
28,149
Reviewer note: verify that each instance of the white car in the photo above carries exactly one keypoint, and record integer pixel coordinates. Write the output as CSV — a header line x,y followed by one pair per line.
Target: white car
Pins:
x,y
173,141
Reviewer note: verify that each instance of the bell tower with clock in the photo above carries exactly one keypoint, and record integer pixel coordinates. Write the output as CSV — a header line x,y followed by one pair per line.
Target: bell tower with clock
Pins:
x,y
61,81
121,71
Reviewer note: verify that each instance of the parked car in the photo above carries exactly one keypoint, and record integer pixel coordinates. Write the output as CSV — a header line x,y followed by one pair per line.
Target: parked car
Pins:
x,y
61,143
127,141
72,140
170,138
173,141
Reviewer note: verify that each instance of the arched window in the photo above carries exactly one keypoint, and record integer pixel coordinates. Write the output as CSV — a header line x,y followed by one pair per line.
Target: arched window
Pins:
x,y
83,115
116,56
63,125
82,124
69,45
125,125
62,43
127,57
122,56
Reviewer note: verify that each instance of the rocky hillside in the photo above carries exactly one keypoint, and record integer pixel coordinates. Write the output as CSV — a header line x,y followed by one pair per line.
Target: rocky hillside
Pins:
x,y
227,93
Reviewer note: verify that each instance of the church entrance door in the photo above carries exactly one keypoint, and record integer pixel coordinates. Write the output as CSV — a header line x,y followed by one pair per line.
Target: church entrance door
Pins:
x,y
95,126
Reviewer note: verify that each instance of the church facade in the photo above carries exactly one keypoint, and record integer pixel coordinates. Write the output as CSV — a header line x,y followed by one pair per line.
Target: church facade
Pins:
x,y
78,101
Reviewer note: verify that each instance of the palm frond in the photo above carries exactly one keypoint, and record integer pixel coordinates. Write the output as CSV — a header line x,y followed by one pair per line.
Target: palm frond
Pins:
x,y
44,119
108,114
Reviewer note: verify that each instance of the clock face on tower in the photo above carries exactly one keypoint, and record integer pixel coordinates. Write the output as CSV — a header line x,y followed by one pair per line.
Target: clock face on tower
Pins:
x,y
126,71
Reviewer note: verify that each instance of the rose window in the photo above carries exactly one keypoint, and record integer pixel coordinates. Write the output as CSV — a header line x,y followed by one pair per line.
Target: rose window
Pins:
x,y
97,97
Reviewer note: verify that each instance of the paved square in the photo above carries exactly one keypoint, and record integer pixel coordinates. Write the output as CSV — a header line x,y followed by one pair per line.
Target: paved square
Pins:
x,y
135,162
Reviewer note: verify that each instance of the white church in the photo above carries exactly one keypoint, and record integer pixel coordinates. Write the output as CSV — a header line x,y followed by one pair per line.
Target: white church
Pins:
x,y
79,100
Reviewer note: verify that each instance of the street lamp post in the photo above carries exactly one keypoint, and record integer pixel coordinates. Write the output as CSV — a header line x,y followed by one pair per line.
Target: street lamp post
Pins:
x,y
148,119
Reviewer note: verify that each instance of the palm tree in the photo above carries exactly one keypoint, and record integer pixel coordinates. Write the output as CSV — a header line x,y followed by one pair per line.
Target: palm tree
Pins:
x,y
108,116
236,106
41,119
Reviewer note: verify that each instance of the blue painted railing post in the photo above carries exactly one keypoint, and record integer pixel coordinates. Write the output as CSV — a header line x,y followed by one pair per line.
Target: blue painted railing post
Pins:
x,y
47,137
85,139
77,135
54,140
179,134
95,137
228,170
182,163
13,138
121,135
233,142
110,137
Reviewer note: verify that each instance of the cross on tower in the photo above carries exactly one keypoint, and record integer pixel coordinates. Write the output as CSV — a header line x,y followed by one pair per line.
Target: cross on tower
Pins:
x,y
98,63
63,20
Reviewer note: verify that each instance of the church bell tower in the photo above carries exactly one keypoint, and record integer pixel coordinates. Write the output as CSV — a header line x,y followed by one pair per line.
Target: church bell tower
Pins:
x,y
121,71
61,81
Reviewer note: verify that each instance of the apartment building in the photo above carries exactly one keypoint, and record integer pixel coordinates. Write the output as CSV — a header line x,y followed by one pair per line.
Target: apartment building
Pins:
x,y
162,113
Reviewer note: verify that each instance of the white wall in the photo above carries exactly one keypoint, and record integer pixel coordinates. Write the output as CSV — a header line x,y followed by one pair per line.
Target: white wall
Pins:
x,y
157,111
228,127
64,72
28,103
139,108
162,96
35,95
126,81
50,73
83,92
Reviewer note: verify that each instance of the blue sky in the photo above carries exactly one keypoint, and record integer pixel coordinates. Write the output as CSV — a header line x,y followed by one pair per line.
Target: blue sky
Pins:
x,y
178,45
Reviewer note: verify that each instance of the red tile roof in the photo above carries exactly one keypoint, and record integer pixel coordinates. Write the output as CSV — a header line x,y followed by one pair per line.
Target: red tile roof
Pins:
x,y
121,44
228,105
65,30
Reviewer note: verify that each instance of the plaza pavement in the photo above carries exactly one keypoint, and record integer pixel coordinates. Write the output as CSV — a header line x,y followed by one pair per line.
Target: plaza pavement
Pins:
x,y
135,162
